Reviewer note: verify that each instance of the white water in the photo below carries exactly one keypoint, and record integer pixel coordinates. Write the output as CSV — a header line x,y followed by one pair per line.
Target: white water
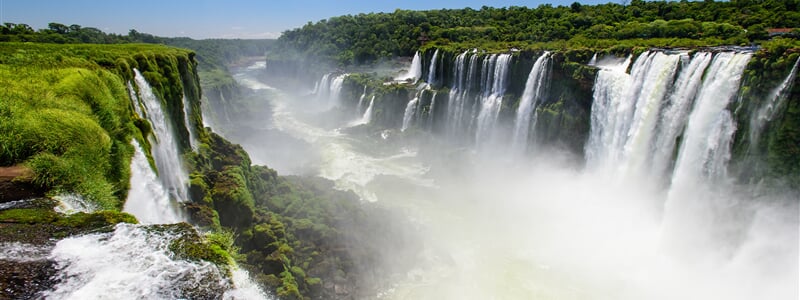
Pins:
x,y
431,111
187,112
775,100
409,113
22,252
626,110
130,263
414,71
550,231
164,147
73,203
148,199
676,112
336,89
494,83
368,113
432,68
459,103
705,150
361,101
535,89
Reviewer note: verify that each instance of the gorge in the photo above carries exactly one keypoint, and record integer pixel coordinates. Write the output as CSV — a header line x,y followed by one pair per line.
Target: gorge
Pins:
x,y
641,151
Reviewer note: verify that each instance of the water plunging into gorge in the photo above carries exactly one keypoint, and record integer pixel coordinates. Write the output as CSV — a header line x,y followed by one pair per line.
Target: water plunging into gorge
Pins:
x,y
651,209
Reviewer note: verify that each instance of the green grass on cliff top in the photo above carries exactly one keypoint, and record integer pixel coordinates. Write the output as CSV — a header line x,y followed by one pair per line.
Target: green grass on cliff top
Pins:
x,y
65,112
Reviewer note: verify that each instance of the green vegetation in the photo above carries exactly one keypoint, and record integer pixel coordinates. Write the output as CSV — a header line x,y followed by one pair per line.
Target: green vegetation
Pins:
x,y
291,231
66,112
365,38
38,225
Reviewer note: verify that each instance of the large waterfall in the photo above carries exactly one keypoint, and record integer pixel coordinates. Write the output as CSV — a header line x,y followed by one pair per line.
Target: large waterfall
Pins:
x,y
705,149
165,149
494,81
140,261
472,111
651,209
328,90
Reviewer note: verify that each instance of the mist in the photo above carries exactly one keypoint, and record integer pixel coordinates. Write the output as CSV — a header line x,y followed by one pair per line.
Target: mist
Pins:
x,y
489,223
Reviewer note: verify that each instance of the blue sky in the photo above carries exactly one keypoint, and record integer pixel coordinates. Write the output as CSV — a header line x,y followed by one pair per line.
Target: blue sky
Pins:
x,y
216,18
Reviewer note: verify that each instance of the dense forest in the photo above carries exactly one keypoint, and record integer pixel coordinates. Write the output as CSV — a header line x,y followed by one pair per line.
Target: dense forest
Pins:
x,y
212,53
365,38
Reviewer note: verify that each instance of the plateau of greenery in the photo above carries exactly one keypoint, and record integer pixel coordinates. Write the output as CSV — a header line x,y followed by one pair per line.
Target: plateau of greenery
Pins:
x,y
366,38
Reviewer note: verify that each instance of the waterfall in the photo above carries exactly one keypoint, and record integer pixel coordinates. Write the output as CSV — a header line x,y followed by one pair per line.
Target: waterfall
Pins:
x,y
322,89
774,101
165,149
336,90
705,149
494,83
415,71
136,107
368,113
636,118
432,68
656,79
431,110
593,60
361,101
676,112
187,112
457,92
535,89
148,199
408,115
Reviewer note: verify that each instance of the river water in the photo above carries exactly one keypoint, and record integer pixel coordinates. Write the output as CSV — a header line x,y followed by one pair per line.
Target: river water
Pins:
x,y
543,227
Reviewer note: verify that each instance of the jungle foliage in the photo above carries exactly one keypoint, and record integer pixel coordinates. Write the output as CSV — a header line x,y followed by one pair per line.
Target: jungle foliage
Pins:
x,y
365,38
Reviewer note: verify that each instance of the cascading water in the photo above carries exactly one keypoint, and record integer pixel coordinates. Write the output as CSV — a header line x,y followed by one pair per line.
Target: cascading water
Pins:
x,y
432,68
626,109
408,114
705,149
328,90
130,263
323,88
676,112
336,90
431,110
775,100
187,112
165,148
148,199
368,113
494,83
415,71
657,80
505,228
535,90
361,101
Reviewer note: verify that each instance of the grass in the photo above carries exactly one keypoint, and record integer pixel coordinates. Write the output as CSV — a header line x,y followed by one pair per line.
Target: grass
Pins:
x,y
65,112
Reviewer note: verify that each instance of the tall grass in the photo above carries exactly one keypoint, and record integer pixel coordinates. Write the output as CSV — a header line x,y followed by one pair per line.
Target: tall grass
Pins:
x,y
66,114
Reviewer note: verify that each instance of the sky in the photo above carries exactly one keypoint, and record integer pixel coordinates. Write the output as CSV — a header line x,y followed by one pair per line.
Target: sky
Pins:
x,y
200,19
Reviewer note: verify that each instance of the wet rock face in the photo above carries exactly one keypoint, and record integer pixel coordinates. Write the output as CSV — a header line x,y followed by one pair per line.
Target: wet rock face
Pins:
x,y
25,279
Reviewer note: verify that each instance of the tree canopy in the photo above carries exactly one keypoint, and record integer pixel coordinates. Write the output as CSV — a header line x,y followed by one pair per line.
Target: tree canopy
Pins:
x,y
365,38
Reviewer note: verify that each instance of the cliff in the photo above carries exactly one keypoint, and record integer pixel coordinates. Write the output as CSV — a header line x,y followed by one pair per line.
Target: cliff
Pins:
x,y
563,114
